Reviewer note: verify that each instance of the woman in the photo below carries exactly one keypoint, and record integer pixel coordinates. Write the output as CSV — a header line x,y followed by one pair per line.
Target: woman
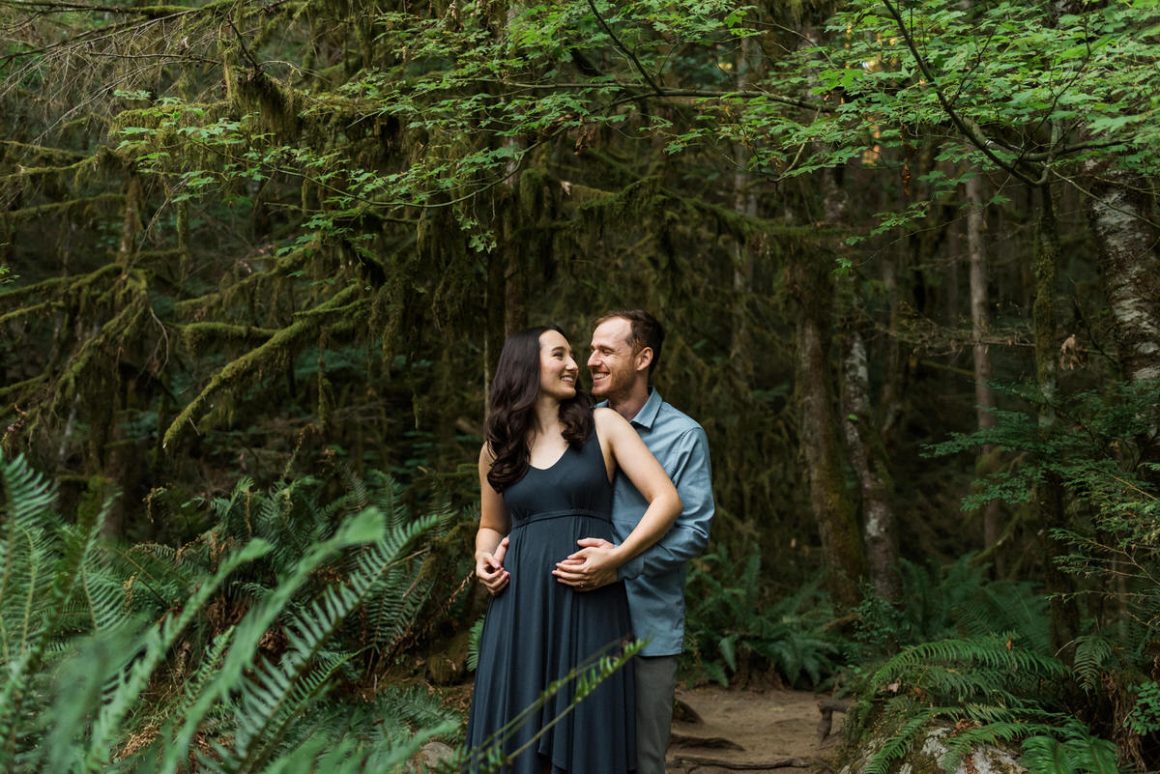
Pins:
x,y
546,473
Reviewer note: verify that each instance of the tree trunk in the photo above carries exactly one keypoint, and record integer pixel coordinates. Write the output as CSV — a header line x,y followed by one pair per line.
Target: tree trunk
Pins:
x,y
868,458
831,505
1130,269
980,324
745,203
1049,493
493,336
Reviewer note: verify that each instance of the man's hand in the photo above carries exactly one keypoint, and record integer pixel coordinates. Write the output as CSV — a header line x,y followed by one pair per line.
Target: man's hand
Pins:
x,y
489,569
589,568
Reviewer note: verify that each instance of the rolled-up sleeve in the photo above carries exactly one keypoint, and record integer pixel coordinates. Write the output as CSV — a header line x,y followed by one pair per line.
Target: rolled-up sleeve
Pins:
x,y
687,463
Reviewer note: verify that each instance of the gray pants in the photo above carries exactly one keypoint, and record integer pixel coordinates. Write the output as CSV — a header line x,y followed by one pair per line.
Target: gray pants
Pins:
x,y
656,684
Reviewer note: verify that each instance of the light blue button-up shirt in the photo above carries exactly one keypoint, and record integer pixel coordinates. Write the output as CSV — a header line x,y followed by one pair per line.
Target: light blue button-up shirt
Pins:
x,y
655,579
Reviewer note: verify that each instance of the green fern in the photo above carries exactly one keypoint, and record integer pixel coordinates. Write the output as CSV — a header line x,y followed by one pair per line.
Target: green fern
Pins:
x,y
280,691
899,742
1071,750
41,575
1093,653
108,622
728,623
473,639
994,688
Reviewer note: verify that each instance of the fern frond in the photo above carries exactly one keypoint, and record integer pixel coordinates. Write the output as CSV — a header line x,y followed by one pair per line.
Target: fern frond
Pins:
x,y
473,644
1000,653
365,528
128,685
898,745
1092,654
264,715
28,500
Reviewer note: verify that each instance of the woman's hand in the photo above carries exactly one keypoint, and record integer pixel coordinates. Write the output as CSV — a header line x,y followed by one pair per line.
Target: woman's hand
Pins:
x,y
490,570
593,566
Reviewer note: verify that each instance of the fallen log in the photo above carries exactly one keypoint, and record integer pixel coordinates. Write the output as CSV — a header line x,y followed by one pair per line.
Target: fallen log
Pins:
x,y
828,707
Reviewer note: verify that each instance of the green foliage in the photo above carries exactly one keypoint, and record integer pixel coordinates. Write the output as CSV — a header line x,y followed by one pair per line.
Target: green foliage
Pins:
x,y
1072,751
955,600
253,710
975,654
993,689
473,645
732,628
1145,715
1099,448
998,683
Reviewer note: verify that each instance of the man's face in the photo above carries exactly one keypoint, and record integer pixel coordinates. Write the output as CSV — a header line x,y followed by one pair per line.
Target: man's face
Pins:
x,y
612,362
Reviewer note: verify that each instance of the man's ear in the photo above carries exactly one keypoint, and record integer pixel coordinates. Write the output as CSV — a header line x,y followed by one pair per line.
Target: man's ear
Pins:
x,y
644,359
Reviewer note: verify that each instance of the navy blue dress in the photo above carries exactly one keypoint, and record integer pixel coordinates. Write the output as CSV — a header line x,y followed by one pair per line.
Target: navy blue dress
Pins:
x,y
537,630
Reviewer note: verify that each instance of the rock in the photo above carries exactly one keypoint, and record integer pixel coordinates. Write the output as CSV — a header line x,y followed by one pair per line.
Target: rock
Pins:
x,y
435,756
928,756
447,662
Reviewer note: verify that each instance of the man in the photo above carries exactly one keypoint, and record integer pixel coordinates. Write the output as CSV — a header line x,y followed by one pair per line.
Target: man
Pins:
x,y
626,349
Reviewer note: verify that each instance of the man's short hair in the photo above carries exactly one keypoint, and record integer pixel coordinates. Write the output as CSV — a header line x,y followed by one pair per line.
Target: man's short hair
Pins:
x,y
645,331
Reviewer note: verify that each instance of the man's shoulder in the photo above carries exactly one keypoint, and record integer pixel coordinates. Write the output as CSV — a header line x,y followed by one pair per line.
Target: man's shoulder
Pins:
x,y
675,421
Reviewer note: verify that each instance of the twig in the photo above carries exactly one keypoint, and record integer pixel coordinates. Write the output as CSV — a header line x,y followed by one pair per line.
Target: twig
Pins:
x,y
631,56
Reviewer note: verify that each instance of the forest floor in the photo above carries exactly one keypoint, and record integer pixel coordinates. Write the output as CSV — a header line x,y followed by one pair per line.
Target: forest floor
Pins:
x,y
746,730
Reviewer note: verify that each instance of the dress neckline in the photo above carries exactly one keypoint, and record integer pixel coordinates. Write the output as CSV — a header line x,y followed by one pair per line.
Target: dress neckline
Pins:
x,y
554,464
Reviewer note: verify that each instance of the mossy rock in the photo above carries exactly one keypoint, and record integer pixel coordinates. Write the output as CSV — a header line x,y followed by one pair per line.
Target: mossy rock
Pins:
x,y
447,662
927,757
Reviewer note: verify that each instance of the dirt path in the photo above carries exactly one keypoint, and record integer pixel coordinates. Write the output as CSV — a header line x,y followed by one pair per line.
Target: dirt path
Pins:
x,y
775,731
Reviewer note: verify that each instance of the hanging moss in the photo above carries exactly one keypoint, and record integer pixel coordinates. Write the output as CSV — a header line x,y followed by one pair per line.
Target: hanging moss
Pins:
x,y
257,363
276,103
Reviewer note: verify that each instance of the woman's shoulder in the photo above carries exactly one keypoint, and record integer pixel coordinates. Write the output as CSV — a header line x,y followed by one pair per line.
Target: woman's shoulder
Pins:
x,y
607,420
486,455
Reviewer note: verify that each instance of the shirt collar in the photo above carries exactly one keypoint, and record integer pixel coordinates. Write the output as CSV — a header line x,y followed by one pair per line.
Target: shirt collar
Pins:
x,y
648,412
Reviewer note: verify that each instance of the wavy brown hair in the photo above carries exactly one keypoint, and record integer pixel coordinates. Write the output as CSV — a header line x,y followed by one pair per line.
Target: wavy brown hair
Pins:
x,y
512,403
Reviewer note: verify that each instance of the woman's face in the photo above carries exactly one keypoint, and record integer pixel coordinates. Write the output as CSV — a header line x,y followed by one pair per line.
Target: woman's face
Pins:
x,y
558,369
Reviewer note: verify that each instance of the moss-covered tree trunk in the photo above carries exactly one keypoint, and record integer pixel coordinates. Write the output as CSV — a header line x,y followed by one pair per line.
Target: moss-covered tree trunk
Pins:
x,y
868,458
980,324
832,507
1049,495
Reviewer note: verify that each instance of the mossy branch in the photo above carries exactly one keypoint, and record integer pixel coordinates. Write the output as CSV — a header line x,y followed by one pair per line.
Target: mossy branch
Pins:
x,y
26,310
44,150
21,387
40,210
196,332
67,385
284,264
236,371
73,281
23,171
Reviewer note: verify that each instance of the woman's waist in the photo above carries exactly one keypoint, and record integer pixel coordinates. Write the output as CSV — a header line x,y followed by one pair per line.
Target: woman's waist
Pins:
x,y
596,514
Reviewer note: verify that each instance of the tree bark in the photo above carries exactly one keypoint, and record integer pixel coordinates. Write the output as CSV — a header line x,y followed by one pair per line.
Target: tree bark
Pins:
x,y
745,203
842,551
868,459
1130,269
1049,493
980,324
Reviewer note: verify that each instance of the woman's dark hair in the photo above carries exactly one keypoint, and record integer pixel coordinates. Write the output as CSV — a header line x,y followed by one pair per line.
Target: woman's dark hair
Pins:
x,y
512,408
